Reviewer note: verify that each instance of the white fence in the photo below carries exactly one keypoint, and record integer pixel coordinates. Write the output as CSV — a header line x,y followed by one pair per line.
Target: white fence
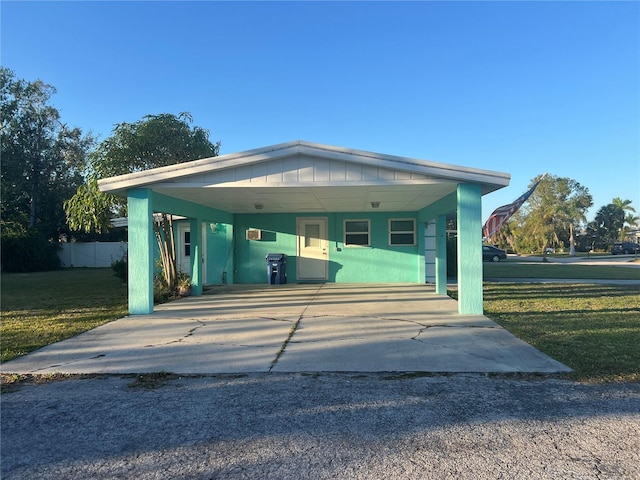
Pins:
x,y
91,254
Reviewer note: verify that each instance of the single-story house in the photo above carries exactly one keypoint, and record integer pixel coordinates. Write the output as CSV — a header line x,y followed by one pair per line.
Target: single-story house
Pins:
x,y
338,214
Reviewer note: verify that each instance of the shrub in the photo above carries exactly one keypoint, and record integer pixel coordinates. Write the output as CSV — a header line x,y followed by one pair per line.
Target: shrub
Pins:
x,y
28,251
121,269
161,293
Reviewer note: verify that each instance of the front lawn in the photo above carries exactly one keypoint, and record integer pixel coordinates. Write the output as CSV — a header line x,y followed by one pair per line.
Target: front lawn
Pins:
x,y
511,269
594,329
45,307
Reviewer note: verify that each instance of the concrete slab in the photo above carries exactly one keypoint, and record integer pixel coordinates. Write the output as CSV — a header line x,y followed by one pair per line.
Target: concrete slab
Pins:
x,y
295,328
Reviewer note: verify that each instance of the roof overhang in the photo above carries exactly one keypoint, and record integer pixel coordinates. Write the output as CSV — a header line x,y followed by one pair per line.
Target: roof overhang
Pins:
x,y
306,177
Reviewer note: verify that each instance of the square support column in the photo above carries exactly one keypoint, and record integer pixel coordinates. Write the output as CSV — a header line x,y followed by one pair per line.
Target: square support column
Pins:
x,y
195,225
140,251
429,251
423,253
441,255
470,249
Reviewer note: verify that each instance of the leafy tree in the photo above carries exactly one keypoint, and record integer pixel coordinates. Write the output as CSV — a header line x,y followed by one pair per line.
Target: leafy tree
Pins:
x,y
42,158
551,214
154,141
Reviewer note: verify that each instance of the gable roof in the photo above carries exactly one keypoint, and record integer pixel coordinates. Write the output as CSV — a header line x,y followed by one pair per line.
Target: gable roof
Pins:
x,y
304,176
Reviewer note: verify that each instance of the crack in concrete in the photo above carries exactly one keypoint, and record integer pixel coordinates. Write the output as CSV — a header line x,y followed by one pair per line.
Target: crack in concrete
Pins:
x,y
293,330
189,333
427,327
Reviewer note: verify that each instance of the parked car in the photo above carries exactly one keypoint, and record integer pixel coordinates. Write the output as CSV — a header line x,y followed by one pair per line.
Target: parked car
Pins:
x,y
492,254
624,248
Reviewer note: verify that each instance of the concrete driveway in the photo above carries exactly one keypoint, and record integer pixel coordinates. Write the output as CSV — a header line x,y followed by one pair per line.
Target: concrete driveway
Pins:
x,y
295,328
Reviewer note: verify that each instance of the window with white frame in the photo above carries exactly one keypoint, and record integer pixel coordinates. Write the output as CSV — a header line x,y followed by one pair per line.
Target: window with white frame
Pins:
x,y
357,233
187,244
402,231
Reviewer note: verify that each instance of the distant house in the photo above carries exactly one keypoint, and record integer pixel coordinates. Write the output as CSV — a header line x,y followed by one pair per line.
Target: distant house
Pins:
x,y
339,215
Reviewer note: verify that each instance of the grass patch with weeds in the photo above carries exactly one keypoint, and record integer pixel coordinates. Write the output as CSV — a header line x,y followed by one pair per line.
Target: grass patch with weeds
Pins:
x,y
10,382
42,308
594,329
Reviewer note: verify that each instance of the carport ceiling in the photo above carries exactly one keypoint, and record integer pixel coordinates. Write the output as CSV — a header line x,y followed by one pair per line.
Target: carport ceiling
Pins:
x,y
282,199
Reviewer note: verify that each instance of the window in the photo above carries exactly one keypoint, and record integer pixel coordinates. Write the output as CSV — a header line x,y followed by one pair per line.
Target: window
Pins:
x,y
312,235
402,232
356,232
187,244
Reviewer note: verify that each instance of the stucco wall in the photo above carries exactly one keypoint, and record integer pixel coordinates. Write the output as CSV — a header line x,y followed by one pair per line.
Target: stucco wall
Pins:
x,y
373,264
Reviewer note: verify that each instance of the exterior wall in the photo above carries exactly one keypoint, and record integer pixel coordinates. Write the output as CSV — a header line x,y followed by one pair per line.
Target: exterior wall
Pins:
x,y
377,263
218,250
219,238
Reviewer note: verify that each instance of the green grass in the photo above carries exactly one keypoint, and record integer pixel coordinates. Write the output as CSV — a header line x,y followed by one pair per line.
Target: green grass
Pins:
x,y
558,270
45,307
594,329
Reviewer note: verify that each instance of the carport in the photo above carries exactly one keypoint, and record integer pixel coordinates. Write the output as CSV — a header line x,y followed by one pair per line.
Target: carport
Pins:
x,y
340,215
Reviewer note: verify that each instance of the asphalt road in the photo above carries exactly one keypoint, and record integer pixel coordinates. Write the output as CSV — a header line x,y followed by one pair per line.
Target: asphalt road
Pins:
x,y
320,426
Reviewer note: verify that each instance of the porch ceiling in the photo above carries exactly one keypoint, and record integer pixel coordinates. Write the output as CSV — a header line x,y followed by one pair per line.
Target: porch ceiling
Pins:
x,y
284,199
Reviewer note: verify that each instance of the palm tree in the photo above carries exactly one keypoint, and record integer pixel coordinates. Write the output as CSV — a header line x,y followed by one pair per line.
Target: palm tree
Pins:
x,y
623,204
632,222
622,207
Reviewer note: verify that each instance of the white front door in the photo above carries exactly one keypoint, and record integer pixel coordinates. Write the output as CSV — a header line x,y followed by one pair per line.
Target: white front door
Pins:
x,y
313,249
183,253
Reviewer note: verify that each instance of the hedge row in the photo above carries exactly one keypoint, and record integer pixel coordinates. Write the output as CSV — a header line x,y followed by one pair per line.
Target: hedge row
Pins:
x,y
28,252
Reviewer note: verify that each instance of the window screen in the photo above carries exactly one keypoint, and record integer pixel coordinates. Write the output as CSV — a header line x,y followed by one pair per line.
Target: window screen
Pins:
x,y
356,232
402,232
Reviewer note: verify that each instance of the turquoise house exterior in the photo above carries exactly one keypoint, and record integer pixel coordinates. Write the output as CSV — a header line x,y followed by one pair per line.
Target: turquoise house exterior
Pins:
x,y
340,215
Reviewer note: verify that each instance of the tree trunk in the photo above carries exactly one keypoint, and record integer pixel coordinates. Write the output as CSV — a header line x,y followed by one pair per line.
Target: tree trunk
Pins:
x,y
572,243
164,235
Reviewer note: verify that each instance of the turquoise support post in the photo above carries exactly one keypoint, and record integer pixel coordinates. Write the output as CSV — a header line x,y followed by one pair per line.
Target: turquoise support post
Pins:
x,y
421,252
196,256
229,266
469,249
140,251
441,255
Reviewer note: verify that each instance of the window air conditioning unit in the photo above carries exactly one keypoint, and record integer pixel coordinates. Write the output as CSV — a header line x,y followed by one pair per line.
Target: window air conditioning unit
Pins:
x,y
254,234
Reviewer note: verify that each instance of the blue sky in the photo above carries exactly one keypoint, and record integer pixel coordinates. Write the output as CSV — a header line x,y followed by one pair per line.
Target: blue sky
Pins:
x,y
518,87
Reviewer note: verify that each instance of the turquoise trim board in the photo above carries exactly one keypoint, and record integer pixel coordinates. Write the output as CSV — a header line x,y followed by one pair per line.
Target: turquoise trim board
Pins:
x,y
176,206
469,250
